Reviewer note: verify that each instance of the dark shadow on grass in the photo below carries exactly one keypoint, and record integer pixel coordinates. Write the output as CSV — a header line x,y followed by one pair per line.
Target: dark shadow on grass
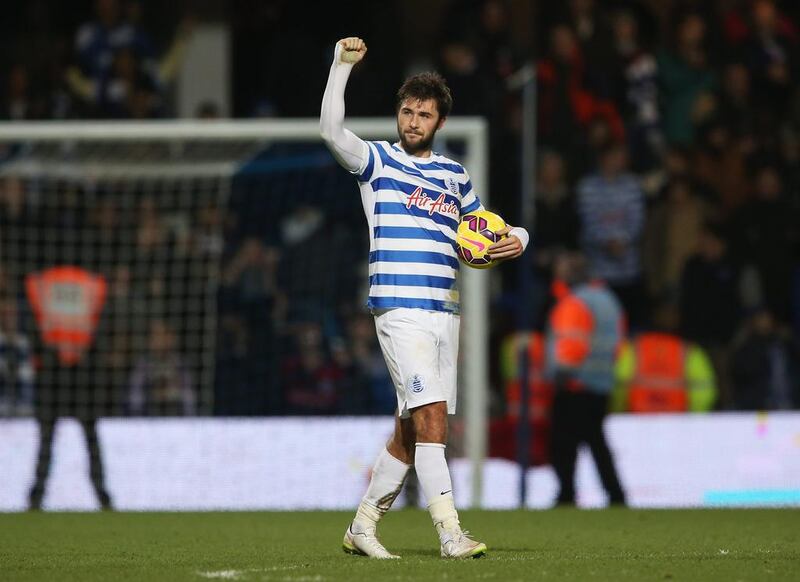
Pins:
x,y
523,550
416,553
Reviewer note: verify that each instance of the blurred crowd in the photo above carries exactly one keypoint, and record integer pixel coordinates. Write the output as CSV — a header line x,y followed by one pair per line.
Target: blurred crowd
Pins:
x,y
108,65
673,166
667,155
108,301
668,150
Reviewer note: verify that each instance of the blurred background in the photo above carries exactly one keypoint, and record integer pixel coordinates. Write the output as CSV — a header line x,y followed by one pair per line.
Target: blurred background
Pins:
x,y
667,153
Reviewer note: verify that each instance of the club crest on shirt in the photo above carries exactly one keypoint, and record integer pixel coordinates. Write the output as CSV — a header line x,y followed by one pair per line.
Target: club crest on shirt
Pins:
x,y
452,186
415,383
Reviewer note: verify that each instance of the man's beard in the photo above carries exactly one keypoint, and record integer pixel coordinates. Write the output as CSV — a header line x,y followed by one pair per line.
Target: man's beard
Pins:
x,y
420,146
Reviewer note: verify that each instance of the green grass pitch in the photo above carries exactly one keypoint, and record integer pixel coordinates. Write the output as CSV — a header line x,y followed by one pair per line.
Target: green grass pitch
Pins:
x,y
562,544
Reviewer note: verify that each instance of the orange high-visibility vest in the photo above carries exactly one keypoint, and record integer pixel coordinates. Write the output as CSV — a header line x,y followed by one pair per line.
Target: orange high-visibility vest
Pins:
x,y
540,390
66,302
659,383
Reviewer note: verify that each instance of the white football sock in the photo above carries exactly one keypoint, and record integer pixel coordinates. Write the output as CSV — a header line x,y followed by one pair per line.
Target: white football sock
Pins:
x,y
434,478
388,475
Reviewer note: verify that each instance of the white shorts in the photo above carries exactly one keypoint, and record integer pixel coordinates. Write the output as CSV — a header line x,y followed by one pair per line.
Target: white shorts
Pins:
x,y
421,351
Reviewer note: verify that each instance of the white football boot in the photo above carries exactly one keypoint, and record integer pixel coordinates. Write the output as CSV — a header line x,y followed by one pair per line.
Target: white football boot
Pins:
x,y
457,544
363,541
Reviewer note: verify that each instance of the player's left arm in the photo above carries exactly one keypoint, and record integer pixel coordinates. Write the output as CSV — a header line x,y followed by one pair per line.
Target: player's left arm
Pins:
x,y
510,247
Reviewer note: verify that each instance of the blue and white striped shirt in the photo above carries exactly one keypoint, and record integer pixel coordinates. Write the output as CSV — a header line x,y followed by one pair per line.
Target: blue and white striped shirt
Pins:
x,y
413,207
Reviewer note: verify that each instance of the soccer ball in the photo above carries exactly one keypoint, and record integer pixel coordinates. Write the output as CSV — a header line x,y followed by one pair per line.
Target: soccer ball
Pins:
x,y
476,232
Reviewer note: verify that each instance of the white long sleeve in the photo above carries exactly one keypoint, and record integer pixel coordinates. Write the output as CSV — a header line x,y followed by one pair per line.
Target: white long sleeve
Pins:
x,y
349,150
522,235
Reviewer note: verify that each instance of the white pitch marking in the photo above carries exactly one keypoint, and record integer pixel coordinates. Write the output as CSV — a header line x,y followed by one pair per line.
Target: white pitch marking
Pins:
x,y
224,574
239,574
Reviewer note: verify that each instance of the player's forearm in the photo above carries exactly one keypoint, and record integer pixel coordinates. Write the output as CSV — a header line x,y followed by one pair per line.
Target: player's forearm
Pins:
x,y
522,235
346,147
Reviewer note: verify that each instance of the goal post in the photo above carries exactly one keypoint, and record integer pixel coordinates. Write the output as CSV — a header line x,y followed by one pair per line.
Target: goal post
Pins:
x,y
158,148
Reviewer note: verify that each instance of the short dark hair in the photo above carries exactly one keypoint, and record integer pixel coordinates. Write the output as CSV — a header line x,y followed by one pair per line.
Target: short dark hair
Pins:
x,y
424,86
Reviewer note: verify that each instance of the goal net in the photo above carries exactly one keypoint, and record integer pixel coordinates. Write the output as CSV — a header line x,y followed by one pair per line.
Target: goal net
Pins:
x,y
199,268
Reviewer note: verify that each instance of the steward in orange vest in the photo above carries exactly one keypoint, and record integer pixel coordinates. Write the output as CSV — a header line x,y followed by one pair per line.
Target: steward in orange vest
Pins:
x,y
67,302
660,372
585,330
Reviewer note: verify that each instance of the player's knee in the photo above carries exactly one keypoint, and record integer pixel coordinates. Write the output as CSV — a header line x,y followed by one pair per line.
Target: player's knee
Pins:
x,y
399,447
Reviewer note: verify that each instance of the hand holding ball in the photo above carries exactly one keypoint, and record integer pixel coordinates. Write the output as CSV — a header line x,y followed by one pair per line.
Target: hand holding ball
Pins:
x,y
476,233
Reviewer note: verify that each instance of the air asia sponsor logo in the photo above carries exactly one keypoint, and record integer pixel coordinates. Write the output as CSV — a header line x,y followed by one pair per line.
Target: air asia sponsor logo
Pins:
x,y
421,200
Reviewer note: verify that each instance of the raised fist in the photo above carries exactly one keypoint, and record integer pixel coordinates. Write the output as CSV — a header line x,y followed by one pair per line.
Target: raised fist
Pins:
x,y
351,50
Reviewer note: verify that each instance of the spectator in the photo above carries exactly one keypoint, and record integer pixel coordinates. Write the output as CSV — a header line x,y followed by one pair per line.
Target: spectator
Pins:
x,y
737,109
566,106
556,225
556,219
249,279
672,235
209,237
675,164
16,363
21,101
635,92
611,212
317,267
770,50
711,301
585,331
312,380
150,261
236,388
466,76
659,372
720,164
370,389
593,30
161,384
735,25
252,306
765,366
684,75
16,215
766,235
122,333
107,233
496,46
